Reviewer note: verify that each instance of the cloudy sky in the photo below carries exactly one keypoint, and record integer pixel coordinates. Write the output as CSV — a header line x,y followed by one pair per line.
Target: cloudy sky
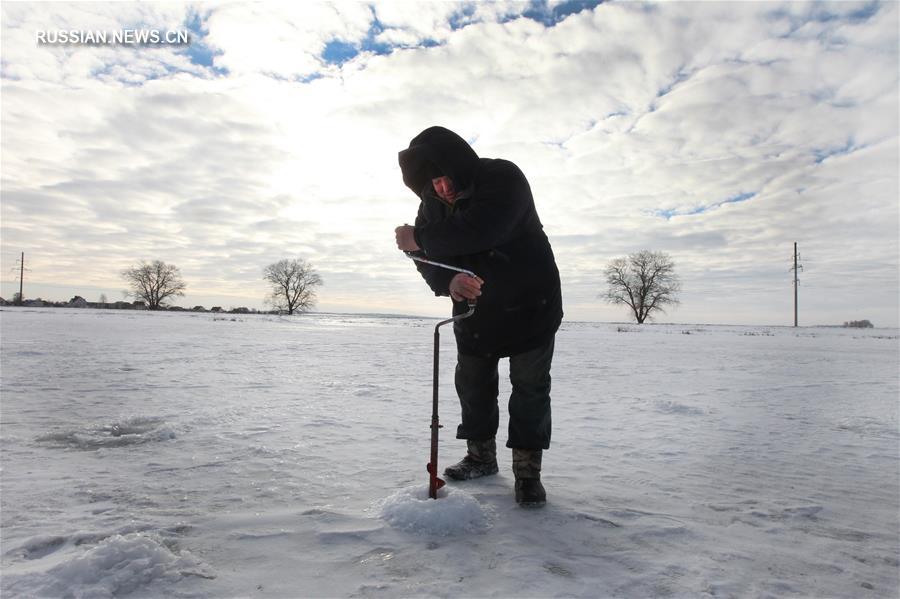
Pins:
x,y
719,132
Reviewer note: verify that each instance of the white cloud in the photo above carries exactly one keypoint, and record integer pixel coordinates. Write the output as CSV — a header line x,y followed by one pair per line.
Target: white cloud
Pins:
x,y
282,39
418,21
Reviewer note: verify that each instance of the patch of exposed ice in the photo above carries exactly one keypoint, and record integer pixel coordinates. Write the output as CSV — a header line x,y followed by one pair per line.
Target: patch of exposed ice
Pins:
x,y
673,407
454,511
131,431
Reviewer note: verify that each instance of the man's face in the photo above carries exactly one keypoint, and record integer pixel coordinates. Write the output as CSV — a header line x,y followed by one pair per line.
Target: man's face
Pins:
x,y
443,187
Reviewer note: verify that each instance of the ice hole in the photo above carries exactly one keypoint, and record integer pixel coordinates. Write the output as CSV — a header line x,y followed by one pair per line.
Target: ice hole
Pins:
x,y
454,511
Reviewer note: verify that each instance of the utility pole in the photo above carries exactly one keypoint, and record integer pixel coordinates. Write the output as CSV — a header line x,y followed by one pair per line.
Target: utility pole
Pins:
x,y
796,268
21,277
21,270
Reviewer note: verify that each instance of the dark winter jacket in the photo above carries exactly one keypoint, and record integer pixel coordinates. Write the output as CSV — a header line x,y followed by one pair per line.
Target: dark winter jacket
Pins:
x,y
493,230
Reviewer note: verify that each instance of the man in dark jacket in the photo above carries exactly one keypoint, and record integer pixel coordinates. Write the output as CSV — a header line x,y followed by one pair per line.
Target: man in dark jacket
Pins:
x,y
478,214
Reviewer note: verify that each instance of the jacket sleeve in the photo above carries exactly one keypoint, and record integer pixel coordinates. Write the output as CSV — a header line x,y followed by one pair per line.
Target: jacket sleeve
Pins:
x,y
437,278
495,210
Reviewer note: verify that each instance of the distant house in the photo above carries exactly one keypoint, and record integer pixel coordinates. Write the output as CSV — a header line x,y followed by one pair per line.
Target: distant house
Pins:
x,y
35,303
3,302
216,309
240,310
198,309
138,305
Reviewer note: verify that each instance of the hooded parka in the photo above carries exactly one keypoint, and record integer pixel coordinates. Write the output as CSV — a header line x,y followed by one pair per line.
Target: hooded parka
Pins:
x,y
491,229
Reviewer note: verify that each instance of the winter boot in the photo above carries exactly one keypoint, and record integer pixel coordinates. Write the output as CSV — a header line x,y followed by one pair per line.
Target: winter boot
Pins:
x,y
481,460
527,469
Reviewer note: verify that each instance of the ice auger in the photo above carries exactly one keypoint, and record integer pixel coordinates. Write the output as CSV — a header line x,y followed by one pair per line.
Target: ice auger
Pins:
x,y
434,481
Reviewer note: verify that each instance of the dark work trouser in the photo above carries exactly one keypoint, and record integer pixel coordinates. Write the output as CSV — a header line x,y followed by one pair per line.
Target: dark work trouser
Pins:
x,y
477,383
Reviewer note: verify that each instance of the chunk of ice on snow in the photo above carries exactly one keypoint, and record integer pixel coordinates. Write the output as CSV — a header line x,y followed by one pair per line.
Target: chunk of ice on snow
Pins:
x,y
454,511
117,566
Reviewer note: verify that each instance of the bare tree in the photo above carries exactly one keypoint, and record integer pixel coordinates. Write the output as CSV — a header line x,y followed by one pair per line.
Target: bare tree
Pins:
x,y
293,285
644,281
154,283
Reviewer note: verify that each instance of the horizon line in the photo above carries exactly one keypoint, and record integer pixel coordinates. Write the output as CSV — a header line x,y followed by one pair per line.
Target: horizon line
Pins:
x,y
420,317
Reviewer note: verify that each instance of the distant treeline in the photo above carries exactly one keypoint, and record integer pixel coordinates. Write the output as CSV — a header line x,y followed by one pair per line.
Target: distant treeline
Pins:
x,y
80,302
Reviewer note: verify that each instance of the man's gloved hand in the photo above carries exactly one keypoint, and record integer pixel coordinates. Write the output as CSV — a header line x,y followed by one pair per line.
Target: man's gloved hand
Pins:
x,y
406,240
463,287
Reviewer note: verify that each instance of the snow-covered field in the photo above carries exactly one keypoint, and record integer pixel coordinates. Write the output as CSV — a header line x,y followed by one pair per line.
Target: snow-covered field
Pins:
x,y
200,455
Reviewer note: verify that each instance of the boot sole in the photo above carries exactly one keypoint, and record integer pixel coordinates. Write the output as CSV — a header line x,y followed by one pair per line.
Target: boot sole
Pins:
x,y
453,476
